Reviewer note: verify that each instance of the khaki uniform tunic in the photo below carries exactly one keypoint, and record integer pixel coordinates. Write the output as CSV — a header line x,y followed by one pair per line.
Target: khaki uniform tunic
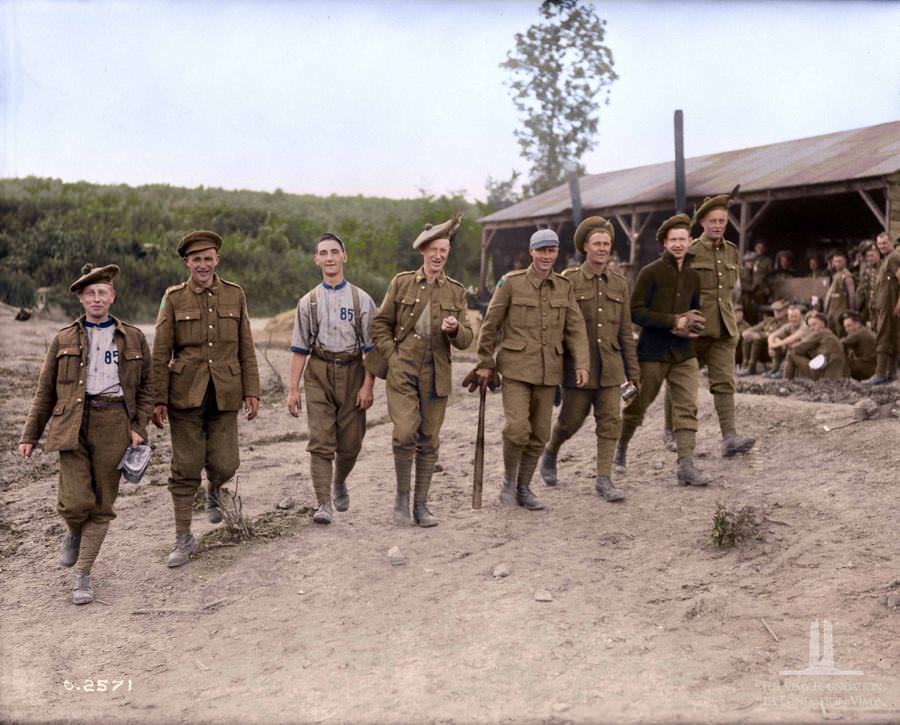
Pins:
x,y
859,349
605,304
816,342
91,440
419,380
204,365
887,324
538,320
837,301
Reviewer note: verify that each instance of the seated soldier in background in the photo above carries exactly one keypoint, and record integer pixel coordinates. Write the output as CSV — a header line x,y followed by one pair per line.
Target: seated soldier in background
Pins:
x,y
779,340
817,340
859,347
754,340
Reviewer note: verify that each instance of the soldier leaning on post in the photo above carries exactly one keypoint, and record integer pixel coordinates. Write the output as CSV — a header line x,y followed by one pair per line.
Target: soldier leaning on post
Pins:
x,y
886,309
715,260
859,347
332,331
817,340
841,295
665,304
754,340
423,313
604,299
204,367
536,312
94,390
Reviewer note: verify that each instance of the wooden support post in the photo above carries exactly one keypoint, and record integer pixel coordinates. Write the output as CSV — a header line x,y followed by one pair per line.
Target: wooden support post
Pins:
x,y
487,235
879,215
743,228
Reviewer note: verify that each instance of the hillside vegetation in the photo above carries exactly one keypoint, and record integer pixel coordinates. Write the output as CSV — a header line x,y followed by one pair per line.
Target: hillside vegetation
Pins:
x,y
49,229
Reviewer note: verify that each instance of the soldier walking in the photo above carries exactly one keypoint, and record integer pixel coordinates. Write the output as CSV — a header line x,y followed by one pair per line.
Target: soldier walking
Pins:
x,y
604,300
204,367
536,312
332,331
886,312
423,313
715,260
665,303
94,390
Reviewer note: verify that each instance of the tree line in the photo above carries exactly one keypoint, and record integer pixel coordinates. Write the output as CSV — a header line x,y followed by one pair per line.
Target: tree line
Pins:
x,y
49,229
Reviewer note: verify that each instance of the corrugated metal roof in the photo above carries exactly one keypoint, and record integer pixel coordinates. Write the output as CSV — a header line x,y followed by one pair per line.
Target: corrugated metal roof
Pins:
x,y
846,155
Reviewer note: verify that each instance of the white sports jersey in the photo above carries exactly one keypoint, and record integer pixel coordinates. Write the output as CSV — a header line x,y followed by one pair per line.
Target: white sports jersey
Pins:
x,y
103,359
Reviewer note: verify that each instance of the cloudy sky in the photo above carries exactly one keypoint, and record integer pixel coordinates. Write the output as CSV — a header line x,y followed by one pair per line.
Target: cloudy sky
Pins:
x,y
385,97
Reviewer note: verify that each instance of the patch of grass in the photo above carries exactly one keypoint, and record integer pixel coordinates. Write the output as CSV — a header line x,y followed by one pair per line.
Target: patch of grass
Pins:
x,y
731,528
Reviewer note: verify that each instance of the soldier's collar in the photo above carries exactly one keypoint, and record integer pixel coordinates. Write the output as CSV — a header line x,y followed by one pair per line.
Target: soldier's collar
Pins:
x,y
421,277
710,243
84,324
198,290
589,274
342,284
536,279
108,322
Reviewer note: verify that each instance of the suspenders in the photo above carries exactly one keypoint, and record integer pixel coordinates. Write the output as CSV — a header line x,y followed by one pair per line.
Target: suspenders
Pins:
x,y
314,319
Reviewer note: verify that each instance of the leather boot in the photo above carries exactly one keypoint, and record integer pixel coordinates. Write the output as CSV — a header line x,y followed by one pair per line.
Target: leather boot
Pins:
x,y
213,512
508,493
68,554
323,514
690,475
734,444
401,509
883,371
423,516
82,592
548,467
185,545
527,499
607,489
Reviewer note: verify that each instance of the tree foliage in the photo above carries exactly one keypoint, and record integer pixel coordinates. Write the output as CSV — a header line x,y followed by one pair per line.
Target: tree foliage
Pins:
x,y
559,69
49,229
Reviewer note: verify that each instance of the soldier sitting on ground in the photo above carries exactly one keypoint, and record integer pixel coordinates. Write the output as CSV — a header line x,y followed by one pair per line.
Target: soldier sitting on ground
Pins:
x,y
779,340
859,347
817,340
754,340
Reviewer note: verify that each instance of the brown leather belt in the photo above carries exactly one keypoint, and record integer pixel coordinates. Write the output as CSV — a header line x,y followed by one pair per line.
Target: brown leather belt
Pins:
x,y
336,358
101,401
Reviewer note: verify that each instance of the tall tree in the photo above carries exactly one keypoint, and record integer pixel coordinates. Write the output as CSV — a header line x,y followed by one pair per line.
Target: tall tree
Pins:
x,y
559,70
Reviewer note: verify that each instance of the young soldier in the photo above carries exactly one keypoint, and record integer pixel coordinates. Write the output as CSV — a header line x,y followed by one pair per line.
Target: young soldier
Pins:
x,y
817,340
715,260
536,311
887,312
423,313
754,339
331,333
204,366
665,304
94,390
868,275
603,297
859,347
780,340
841,295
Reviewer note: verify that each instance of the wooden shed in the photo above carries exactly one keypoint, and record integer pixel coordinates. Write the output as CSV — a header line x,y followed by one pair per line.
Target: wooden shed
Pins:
x,y
808,194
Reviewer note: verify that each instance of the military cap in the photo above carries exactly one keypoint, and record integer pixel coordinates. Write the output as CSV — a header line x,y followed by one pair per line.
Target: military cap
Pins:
x,y
197,241
679,221
445,230
92,275
710,203
779,305
589,226
543,238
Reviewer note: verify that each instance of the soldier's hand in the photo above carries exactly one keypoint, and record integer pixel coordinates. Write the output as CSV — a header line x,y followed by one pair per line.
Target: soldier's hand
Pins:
x,y
25,449
365,397
251,406
581,377
160,415
294,405
484,376
695,321
136,439
450,325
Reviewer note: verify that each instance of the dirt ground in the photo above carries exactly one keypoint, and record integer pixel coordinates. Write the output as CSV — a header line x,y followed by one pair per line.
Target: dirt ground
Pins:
x,y
648,620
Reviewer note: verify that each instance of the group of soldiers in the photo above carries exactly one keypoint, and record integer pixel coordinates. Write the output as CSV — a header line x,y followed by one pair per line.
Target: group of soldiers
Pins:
x,y
543,332
856,334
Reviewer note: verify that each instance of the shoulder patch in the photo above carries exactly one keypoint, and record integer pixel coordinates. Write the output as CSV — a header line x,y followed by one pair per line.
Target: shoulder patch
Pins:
x,y
73,323
175,287
562,277
569,270
456,282
230,284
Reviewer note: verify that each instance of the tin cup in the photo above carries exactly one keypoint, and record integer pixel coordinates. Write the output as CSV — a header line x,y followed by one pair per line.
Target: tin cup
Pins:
x,y
628,390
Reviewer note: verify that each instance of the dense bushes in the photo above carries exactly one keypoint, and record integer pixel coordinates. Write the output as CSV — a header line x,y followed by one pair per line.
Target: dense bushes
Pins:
x,y
49,229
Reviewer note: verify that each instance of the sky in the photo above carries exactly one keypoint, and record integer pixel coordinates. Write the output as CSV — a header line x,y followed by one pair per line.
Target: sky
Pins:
x,y
389,98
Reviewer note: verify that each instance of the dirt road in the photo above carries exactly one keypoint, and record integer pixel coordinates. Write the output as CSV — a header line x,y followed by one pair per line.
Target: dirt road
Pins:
x,y
648,620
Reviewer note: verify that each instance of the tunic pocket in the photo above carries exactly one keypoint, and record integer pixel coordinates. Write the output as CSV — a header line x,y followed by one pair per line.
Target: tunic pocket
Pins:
x,y
229,321
523,312
68,364
187,328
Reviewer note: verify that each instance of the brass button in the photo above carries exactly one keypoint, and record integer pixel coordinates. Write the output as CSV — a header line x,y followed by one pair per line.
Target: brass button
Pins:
x,y
210,309
80,382
718,261
210,362
78,400
81,365
210,344
210,327
599,309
